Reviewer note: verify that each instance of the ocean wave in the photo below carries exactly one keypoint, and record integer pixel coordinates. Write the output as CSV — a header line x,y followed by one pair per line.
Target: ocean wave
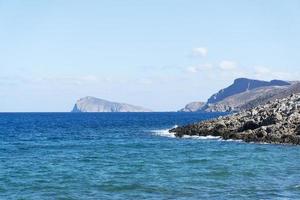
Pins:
x,y
164,132
208,137
232,140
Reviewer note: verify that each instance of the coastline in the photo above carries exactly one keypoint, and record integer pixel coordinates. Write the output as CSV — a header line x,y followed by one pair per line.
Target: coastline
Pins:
x,y
277,122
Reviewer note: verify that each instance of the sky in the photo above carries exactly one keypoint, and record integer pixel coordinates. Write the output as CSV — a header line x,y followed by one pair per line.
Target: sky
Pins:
x,y
152,53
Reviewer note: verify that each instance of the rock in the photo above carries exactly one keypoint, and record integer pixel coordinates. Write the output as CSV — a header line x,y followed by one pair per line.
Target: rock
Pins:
x,y
254,112
278,117
275,122
297,130
249,125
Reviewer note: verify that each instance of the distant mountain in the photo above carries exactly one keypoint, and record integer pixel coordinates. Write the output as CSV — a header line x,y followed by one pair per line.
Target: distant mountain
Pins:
x,y
193,107
242,85
247,100
92,104
247,93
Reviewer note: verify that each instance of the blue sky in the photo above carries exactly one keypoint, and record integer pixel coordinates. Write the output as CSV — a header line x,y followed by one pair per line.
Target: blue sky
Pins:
x,y
153,53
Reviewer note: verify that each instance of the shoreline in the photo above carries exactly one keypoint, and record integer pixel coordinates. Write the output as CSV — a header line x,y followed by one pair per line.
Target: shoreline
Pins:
x,y
276,122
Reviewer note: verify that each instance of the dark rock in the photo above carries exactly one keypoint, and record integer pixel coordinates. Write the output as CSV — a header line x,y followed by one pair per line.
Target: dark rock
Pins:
x,y
297,130
249,125
275,122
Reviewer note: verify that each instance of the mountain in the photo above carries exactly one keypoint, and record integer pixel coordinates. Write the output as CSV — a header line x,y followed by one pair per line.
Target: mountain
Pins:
x,y
92,104
242,85
247,93
246,99
193,107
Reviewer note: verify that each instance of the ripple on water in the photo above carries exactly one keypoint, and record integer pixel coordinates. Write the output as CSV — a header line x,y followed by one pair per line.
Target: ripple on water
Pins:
x,y
114,156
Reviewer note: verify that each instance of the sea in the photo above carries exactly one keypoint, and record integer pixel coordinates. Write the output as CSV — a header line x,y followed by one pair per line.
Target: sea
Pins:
x,y
133,156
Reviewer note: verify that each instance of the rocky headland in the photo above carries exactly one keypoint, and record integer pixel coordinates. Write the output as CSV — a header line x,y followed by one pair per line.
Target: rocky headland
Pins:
x,y
275,122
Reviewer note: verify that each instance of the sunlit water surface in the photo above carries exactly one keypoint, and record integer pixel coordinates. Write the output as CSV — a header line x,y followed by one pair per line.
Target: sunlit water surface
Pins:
x,y
132,156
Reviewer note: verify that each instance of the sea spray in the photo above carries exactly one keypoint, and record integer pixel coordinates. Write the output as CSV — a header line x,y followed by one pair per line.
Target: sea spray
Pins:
x,y
164,132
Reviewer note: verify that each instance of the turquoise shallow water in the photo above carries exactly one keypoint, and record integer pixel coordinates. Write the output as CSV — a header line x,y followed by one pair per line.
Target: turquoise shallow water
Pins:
x,y
123,156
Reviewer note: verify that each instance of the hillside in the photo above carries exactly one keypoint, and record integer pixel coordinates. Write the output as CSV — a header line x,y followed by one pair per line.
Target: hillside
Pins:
x,y
246,94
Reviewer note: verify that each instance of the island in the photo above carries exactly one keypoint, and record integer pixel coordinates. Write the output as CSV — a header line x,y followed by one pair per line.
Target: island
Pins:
x,y
93,104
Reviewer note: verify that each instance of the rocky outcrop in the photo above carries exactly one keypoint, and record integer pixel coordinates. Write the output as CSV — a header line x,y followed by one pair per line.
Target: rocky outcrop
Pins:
x,y
275,122
92,104
193,107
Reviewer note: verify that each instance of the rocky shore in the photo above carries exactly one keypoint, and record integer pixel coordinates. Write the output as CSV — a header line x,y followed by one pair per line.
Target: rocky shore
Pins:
x,y
276,122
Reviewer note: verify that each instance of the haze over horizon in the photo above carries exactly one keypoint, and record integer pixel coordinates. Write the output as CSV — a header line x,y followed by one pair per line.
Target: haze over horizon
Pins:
x,y
156,54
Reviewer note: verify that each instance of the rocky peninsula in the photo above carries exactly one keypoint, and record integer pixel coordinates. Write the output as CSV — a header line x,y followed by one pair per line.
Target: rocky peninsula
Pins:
x,y
276,122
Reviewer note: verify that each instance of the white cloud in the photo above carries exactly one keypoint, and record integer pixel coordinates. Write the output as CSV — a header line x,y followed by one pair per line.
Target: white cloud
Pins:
x,y
197,68
266,73
200,51
206,66
145,81
90,78
77,80
192,69
227,65
261,71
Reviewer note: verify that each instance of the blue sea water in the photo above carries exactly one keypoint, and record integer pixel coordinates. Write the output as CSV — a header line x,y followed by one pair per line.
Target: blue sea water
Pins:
x,y
131,156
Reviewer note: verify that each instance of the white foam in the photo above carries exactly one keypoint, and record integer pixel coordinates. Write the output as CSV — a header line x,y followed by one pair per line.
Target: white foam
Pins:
x,y
208,137
164,132
231,140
